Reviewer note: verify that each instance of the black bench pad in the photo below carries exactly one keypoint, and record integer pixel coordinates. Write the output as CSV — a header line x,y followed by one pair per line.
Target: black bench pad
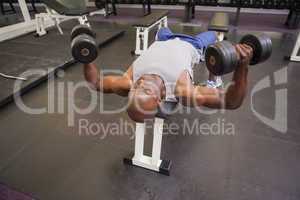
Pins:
x,y
219,22
166,109
151,18
63,10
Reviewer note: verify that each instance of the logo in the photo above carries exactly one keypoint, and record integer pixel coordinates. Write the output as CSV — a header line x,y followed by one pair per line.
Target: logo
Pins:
x,y
279,79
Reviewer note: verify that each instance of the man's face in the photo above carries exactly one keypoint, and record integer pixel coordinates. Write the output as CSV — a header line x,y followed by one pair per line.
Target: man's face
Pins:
x,y
144,99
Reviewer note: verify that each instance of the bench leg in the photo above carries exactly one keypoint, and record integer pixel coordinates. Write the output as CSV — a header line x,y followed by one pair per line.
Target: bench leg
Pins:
x,y
165,22
237,16
145,39
2,8
187,12
157,139
193,11
84,20
40,24
220,36
149,6
139,140
57,24
33,6
289,17
142,37
114,9
295,57
144,9
153,163
138,41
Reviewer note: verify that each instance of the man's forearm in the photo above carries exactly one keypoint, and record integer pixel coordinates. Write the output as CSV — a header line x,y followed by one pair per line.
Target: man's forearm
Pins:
x,y
91,74
236,92
107,83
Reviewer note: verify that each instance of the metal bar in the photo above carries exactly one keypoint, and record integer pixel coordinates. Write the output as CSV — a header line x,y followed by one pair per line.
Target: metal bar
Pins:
x,y
294,56
24,9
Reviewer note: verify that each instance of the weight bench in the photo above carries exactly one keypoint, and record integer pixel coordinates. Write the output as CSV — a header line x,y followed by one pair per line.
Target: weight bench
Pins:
x,y
58,13
220,24
145,25
154,161
295,57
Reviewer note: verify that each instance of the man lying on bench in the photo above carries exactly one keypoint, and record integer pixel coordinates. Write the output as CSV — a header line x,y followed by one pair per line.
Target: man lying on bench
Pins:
x,y
164,73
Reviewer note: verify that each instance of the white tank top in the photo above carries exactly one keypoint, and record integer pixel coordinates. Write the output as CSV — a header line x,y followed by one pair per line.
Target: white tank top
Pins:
x,y
167,59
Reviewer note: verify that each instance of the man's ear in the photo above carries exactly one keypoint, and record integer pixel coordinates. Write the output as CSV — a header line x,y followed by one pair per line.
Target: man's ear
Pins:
x,y
158,100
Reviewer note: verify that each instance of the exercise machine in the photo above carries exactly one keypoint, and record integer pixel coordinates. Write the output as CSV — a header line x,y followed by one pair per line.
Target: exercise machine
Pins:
x,y
58,12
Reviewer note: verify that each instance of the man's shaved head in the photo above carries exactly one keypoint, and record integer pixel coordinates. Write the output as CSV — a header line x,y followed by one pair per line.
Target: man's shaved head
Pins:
x,y
144,99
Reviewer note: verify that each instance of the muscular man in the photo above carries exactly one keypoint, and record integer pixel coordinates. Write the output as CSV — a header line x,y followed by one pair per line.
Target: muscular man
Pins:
x,y
164,72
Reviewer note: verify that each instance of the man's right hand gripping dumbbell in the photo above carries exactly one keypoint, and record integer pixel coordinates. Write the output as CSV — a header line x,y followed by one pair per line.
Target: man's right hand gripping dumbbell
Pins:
x,y
222,58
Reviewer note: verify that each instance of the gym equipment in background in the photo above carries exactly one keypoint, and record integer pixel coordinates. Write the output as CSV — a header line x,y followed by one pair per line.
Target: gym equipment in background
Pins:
x,y
61,10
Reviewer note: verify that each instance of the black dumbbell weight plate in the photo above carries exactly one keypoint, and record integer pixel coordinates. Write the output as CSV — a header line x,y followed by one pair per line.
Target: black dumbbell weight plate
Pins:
x,y
268,52
82,29
84,48
221,58
261,45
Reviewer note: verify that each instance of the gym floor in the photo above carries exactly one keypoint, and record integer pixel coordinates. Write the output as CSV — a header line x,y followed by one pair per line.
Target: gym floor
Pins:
x,y
42,156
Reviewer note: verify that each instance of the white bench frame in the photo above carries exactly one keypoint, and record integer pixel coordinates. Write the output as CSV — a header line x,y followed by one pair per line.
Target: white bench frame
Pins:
x,y
57,19
141,160
142,34
295,57
153,162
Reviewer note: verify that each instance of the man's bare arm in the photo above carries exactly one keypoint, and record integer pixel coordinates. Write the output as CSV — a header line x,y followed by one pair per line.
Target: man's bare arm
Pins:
x,y
110,83
232,97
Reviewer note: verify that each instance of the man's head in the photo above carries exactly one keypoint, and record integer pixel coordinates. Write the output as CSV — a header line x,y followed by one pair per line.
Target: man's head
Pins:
x,y
145,97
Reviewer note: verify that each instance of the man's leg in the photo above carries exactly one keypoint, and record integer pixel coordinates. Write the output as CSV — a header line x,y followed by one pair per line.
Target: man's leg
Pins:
x,y
164,34
207,38
200,42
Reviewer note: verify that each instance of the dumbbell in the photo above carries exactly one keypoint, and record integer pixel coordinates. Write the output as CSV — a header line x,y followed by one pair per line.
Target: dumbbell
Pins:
x,y
83,44
221,58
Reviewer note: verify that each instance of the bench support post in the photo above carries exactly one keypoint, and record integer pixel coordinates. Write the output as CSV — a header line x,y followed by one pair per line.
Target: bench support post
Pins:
x,y
139,39
237,16
157,139
295,57
153,162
